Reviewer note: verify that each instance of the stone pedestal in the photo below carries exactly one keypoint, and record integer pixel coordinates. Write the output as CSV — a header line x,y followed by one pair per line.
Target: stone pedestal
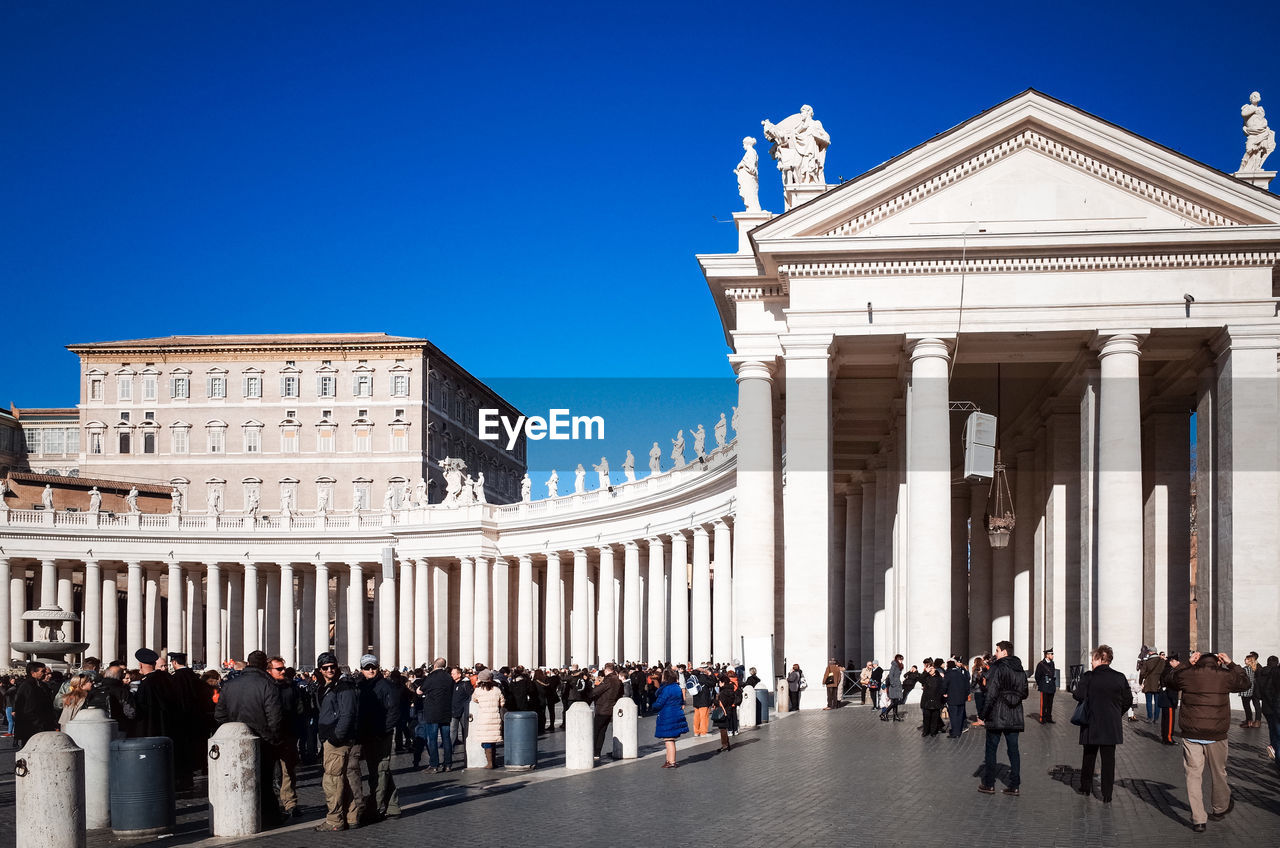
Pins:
x,y
746,222
233,781
783,700
93,731
49,780
1262,179
475,749
578,737
798,194
626,733
747,712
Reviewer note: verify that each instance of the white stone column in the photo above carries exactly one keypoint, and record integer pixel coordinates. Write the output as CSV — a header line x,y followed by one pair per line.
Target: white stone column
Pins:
x,y
807,502
466,612
722,648
631,603
579,619
929,500
48,583
422,613
1062,539
306,616
320,612
151,632
553,632
288,640
1023,543
92,607
66,592
979,571
500,604
1001,597
961,507
405,622
882,628
866,638
6,610
177,588
213,648
252,608
700,606
1120,497
342,594
193,614
483,646
17,606
233,637
440,609
135,620
526,646
270,624
753,603
355,613
679,628
606,620
853,573
385,593
657,586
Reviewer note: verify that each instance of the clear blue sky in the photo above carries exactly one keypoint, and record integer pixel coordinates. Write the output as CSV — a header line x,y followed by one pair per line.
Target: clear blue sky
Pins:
x,y
525,184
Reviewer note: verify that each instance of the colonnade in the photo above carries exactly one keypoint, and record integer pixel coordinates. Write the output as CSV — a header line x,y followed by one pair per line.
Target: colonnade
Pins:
x,y
639,599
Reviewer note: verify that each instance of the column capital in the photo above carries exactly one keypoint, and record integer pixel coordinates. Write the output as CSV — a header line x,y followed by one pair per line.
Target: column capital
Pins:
x,y
653,540
1109,342
605,549
936,346
807,346
753,368
631,545
284,563
1236,337
212,563
579,552
720,524
675,535
553,555
699,530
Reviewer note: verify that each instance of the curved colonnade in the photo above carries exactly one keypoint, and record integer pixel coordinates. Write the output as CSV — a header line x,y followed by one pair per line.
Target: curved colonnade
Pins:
x,y
639,572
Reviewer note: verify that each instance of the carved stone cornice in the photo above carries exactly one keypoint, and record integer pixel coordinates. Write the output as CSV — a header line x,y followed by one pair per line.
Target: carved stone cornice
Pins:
x,y
1037,264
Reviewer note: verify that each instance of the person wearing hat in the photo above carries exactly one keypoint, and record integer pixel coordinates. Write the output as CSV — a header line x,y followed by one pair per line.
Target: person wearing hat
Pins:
x,y
486,715
1150,674
158,702
339,705
197,718
831,679
378,718
1047,683
1168,700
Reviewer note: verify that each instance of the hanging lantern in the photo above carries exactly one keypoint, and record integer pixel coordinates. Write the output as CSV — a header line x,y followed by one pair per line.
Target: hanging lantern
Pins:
x,y
999,520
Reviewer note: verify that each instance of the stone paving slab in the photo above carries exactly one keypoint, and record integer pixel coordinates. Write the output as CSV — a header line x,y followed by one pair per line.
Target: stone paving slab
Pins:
x,y
839,777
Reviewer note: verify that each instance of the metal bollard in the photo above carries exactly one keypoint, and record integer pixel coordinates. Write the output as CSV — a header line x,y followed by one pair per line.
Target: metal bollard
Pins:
x,y
626,730
784,696
94,732
747,712
49,772
233,781
579,737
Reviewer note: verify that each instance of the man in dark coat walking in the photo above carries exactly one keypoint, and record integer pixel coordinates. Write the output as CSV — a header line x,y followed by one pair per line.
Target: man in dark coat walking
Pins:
x,y
1108,697
957,693
253,698
33,709
434,716
1006,690
1047,683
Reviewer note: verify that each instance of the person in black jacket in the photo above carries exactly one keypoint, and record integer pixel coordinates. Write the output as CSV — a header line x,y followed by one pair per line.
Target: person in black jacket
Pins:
x,y
1107,697
1167,700
1047,683
434,717
1006,690
33,709
379,716
603,696
1267,683
285,753
253,699
931,699
339,704
460,707
197,721
956,684
728,698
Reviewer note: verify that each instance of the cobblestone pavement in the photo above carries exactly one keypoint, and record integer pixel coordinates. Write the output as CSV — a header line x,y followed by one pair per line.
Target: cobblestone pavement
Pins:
x,y
839,777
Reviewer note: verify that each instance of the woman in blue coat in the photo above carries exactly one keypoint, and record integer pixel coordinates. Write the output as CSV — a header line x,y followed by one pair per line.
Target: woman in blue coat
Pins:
x,y
1107,694
669,705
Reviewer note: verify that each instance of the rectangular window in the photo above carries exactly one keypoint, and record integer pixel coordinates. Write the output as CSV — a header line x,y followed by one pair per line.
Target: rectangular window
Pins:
x,y
252,440
399,440
180,387
95,389
124,389
217,387
289,441
363,385
73,440
149,387
400,385
253,387
124,442
217,440
54,441
289,386
95,443
326,386
35,440
325,441
362,440
180,440
124,416
149,442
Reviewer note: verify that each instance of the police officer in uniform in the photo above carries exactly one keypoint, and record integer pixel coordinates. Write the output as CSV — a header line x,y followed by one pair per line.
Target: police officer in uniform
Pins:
x,y
1047,683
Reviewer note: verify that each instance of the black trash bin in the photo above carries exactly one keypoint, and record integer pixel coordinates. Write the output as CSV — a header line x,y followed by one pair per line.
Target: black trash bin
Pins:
x,y
142,792
520,740
762,706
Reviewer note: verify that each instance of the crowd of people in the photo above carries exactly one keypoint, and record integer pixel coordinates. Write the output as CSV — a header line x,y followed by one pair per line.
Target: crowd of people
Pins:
x,y
351,724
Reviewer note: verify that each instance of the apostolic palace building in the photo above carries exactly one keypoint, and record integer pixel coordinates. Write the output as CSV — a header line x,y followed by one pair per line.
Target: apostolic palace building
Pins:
x,y
1018,382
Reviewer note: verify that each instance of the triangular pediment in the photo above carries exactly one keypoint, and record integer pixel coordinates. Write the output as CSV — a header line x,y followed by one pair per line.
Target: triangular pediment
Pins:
x,y
1030,165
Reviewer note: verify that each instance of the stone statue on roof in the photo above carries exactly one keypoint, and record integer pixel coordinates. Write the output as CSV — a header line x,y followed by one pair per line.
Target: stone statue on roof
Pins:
x,y
721,430
526,488
748,171
655,459
1259,139
800,147
579,480
132,500
95,500
553,484
629,467
677,449
602,471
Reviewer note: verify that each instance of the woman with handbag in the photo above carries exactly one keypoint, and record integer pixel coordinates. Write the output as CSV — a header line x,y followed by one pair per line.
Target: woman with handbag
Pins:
x,y
724,709
1104,697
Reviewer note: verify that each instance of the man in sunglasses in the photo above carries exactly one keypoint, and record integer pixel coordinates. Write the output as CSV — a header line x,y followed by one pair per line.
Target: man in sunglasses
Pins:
x,y
252,697
376,727
339,701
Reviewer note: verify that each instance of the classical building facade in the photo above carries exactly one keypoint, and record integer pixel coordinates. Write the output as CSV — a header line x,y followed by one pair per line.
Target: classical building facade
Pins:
x,y
1102,296
296,422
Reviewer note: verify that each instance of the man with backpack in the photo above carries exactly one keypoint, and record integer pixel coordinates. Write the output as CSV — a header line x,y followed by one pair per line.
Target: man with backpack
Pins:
x,y
1006,690
701,687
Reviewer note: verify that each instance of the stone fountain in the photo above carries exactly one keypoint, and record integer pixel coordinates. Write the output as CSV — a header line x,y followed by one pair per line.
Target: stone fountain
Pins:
x,y
52,651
